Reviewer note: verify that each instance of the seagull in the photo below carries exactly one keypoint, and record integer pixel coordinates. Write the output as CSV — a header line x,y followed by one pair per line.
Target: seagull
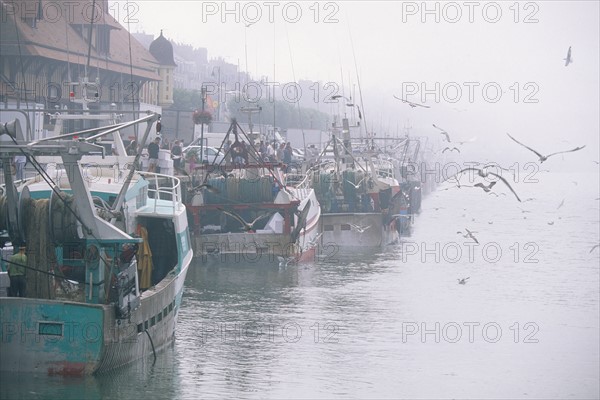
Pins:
x,y
484,174
597,162
562,203
456,186
469,234
451,149
248,227
357,185
443,132
494,165
360,229
208,187
542,157
485,188
410,103
594,247
285,261
468,141
314,242
463,281
551,223
568,60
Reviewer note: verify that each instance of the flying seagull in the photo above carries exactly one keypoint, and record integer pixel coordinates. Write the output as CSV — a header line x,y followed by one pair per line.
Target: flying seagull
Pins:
x,y
498,166
410,103
568,60
463,281
356,185
443,132
360,229
542,157
451,149
594,247
485,188
562,203
469,234
246,226
484,174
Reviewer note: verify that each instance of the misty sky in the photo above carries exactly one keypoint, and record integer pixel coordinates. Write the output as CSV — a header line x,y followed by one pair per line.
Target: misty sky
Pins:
x,y
397,44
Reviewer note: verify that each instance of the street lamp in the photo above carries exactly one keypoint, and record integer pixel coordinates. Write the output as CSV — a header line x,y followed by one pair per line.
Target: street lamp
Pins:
x,y
203,93
348,104
218,68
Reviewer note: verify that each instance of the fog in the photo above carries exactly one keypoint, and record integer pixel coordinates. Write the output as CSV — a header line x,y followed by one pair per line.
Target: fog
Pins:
x,y
483,68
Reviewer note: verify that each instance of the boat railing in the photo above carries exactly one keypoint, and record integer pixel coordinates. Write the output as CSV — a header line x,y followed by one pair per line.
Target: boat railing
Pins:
x,y
384,168
303,181
163,187
296,180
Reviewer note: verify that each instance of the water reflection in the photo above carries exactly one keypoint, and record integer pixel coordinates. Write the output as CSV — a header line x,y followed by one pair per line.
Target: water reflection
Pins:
x,y
339,327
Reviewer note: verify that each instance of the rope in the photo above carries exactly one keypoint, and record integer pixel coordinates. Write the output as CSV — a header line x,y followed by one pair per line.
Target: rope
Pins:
x,y
41,271
152,344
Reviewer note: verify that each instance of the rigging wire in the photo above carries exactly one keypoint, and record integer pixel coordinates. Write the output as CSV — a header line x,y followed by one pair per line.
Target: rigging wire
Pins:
x,y
294,78
21,62
133,85
90,33
358,80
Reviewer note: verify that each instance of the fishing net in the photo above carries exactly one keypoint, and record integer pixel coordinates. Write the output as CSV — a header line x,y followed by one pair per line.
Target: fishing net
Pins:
x,y
40,248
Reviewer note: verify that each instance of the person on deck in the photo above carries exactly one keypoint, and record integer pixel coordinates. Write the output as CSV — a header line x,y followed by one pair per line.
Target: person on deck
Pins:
x,y
287,156
132,148
16,273
226,150
176,156
280,152
20,161
271,153
153,149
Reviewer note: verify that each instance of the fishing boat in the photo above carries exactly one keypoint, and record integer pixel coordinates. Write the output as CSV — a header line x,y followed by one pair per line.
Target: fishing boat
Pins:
x,y
363,204
247,209
107,258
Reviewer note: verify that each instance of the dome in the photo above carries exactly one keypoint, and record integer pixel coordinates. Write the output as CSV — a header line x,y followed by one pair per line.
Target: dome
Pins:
x,y
162,50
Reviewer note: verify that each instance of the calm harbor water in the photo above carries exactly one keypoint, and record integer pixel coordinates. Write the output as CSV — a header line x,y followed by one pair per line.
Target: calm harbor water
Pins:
x,y
395,324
